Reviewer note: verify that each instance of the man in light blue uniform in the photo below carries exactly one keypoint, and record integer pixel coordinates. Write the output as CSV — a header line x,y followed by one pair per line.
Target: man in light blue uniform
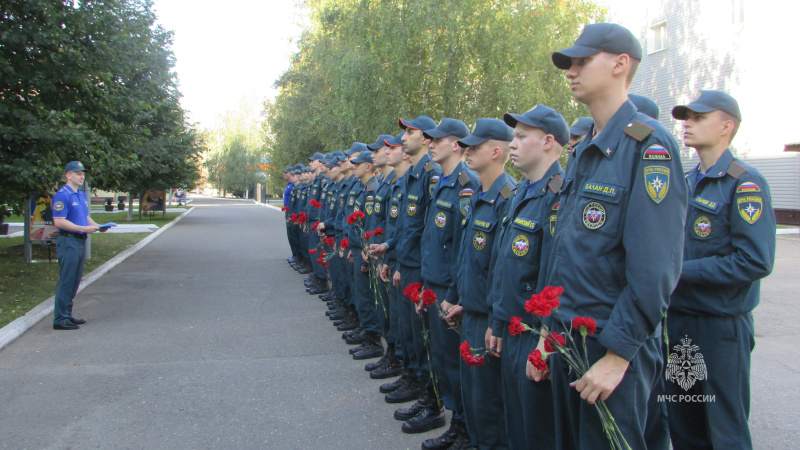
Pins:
x,y
729,248
71,216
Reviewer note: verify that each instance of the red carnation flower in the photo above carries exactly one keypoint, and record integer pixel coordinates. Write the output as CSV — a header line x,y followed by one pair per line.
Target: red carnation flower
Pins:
x,y
428,297
314,227
355,217
285,208
293,218
552,292
367,236
315,203
535,358
312,251
345,243
468,356
541,305
552,340
378,232
585,325
515,326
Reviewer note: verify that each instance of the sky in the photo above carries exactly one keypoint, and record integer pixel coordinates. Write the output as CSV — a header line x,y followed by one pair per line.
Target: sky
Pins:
x,y
228,51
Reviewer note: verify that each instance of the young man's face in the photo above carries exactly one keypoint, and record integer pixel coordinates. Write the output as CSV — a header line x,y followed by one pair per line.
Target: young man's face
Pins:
x,y
362,169
413,141
314,165
287,177
441,148
394,155
379,157
590,75
527,148
574,139
75,178
479,157
333,172
703,129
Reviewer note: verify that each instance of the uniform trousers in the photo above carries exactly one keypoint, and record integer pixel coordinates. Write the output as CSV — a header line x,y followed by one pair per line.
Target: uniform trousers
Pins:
x,y
725,343
363,297
294,238
578,425
411,326
71,254
445,357
528,405
482,389
395,298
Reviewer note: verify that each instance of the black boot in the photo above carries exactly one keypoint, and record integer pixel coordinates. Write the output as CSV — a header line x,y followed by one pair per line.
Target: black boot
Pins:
x,y
321,286
463,442
430,417
350,333
404,414
356,338
369,367
391,368
448,438
373,347
408,392
385,388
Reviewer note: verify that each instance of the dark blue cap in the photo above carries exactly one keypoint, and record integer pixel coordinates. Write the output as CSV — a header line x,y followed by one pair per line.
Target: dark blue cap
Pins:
x,y
486,129
338,156
288,169
363,157
709,101
332,163
645,105
447,127
317,156
380,142
74,166
581,126
396,141
596,38
357,147
307,169
544,117
420,123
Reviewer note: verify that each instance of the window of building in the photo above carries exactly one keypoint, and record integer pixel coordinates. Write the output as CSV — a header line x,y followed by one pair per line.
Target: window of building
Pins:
x,y
658,38
737,11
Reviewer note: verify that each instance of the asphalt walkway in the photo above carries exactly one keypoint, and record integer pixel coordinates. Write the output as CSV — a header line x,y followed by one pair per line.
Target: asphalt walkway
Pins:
x,y
205,338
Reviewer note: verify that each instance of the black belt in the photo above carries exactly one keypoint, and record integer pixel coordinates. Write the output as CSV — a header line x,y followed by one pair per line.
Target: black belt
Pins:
x,y
71,234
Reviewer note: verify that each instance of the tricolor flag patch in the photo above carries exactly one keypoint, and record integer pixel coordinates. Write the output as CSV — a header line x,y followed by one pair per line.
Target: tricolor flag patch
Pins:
x,y
656,152
748,187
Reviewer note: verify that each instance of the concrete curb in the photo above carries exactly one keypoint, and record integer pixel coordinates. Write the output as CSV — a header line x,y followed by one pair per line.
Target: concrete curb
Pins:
x,y
13,330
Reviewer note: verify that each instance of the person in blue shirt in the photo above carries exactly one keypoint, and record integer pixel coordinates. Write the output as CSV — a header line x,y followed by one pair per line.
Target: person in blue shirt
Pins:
x,y
522,253
729,248
487,151
617,245
71,216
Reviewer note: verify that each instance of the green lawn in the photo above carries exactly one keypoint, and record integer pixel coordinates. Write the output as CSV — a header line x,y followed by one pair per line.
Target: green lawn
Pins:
x,y
25,285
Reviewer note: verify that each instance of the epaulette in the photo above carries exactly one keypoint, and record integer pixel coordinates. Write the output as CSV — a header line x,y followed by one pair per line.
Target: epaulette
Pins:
x,y
555,183
463,178
505,192
638,130
370,187
736,170
428,166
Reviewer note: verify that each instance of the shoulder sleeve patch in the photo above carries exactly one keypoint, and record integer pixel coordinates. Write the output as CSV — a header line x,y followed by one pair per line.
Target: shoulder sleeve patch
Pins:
x,y
656,152
428,167
463,178
638,130
736,170
747,187
555,183
505,192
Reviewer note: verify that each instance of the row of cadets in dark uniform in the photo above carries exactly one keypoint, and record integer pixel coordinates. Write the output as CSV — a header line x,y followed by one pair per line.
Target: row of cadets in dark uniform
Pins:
x,y
333,202
291,178
300,260
445,212
377,211
317,281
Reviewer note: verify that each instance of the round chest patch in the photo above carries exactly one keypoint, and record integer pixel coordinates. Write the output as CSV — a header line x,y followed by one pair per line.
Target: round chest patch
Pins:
x,y
441,220
594,215
58,206
393,211
412,208
479,241
520,245
702,226
356,209
377,207
351,201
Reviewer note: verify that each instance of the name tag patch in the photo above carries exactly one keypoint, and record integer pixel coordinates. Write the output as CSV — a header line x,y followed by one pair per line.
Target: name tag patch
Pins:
x,y
601,188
